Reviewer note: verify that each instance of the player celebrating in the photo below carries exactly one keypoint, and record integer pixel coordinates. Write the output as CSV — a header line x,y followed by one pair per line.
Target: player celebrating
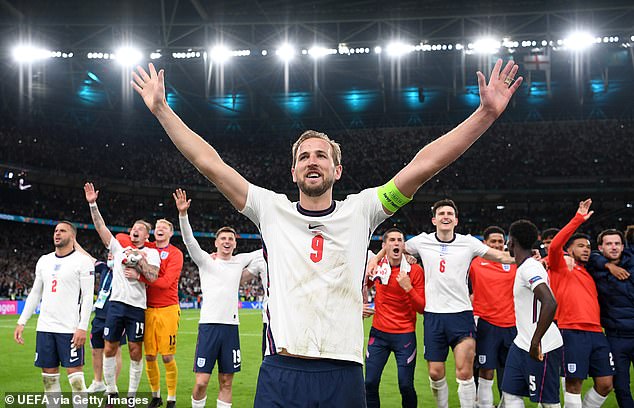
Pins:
x,y
218,337
128,297
586,349
400,294
492,286
449,322
315,257
64,282
533,362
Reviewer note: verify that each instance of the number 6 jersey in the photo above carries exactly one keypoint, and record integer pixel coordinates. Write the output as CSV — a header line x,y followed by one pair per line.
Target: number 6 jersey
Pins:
x,y
315,265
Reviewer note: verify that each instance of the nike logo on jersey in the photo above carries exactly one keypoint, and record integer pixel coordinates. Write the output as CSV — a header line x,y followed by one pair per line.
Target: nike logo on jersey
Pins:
x,y
484,263
315,226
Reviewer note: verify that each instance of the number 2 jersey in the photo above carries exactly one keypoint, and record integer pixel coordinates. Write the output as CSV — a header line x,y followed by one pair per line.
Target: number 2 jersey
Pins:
x,y
316,265
446,266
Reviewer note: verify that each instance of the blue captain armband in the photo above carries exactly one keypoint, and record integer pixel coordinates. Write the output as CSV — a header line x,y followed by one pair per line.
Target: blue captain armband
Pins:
x,y
391,198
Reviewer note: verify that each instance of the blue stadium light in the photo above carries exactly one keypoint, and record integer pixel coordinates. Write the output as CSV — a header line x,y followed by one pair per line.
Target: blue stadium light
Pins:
x,y
93,77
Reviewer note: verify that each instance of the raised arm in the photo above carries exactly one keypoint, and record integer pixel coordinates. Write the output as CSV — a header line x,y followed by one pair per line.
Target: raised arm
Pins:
x,y
201,154
97,219
193,247
556,250
494,97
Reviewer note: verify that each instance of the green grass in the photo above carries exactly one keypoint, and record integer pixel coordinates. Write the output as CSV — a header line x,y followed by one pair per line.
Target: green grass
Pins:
x,y
17,372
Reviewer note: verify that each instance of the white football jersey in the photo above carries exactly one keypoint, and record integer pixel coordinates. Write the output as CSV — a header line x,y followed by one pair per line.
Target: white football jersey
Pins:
x,y
219,279
258,267
446,266
316,265
530,274
65,285
124,290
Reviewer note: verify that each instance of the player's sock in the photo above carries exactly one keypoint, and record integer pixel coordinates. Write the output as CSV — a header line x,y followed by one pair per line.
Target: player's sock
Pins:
x,y
556,405
153,376
222,404
512,401
466,392
136,370
109,374
485,393
563,384
440,391
572,400
593,399
78,387
171,379
199,403
53,389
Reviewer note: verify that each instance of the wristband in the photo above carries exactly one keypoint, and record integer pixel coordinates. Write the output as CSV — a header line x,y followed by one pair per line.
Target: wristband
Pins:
x,y
391,198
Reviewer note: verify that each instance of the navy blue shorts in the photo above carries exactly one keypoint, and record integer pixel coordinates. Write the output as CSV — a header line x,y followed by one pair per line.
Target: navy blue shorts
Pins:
x,y
586,353
123,318
444,330
380,344
217,342
296,382
96,333
53,349
526,377
493,344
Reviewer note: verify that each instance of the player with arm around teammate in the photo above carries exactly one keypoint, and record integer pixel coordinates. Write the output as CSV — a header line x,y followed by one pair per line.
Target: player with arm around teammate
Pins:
x,y
534,360
218,337
64,282
312,246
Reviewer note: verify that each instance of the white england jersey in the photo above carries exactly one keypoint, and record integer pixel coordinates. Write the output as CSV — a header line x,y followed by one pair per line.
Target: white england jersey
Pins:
x,y
446,266
530,274
124,290
258,267
316,264
65,285
219,279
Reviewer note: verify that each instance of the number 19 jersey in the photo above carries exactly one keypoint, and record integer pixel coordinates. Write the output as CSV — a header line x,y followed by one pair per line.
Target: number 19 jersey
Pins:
x,y
316,265
446,266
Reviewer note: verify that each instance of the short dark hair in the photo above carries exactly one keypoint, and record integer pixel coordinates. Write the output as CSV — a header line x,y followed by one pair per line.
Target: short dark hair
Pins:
x,y
549,233
445,202
575,237
524,233
393,229
607,232
226,229
70,224
493,229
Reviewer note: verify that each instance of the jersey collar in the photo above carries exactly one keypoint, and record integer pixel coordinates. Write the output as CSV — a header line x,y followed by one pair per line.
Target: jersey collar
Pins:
x,y
445,242
318,213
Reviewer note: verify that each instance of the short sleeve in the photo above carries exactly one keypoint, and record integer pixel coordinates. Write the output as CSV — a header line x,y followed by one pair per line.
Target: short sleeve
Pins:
x,y
477,247
534,275
256,202
114,247
411,245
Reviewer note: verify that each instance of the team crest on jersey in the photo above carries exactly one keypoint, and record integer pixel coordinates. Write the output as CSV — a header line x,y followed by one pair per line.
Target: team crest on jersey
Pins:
x,y
482,359
164,254
201,362
443,248
57,267
572,367
506,267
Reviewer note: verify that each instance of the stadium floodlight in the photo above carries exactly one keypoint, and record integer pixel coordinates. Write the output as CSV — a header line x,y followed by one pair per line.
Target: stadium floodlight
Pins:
x,y
319,52
220,54
286,52
127,56
155,55
377,49
485,46
398,49
579,40
30,53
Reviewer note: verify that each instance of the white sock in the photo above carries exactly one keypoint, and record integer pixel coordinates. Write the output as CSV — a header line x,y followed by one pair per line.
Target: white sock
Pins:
x,y
157,394
512,401
199,403
485,393
78,386
593,399
440,391
171,397
53,388
136,370
557,405
222,404
109,374
466,393
563,384
572,400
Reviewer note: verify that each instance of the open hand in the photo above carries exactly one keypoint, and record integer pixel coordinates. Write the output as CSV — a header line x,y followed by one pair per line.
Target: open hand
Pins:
x,y
151,87
495,96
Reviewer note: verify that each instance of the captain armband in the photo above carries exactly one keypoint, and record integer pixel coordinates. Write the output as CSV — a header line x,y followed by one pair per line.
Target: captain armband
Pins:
x,y
391,198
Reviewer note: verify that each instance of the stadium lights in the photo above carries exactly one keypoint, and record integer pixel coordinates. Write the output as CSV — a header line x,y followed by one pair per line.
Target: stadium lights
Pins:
x,y
319,52
398,49
220,54
377,49
485,46
30,53
127,56
286,52
580,40
155,55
